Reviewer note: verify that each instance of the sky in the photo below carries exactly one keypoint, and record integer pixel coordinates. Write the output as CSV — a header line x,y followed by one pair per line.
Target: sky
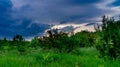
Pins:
x,y
24,16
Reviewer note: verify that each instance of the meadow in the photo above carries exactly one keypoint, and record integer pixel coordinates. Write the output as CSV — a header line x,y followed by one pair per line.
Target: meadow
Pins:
x,y
84,57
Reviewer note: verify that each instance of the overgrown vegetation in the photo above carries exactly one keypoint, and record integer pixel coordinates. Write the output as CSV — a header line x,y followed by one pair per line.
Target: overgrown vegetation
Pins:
x,y
83,49
109,45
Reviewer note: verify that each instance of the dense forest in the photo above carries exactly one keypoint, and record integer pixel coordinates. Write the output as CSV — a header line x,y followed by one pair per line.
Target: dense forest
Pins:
x,y
83,49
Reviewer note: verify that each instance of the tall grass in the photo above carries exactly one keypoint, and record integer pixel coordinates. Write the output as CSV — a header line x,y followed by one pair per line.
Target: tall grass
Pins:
x,y
84,57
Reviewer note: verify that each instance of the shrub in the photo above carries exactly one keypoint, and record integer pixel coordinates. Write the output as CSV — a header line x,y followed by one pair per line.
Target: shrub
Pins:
x,y
34,43
59,41
110,38
84,38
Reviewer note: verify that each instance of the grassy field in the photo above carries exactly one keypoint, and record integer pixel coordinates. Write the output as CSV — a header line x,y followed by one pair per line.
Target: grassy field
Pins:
x,y
82,57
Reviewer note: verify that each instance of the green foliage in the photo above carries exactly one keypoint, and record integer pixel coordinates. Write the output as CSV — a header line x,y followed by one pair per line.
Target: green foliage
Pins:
x,y
84,39
21,48
18,44
34,43
59,41
18,38
87,58
47,58
110,38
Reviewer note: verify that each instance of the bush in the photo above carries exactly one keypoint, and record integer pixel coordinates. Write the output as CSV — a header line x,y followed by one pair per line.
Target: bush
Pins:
x,y
84,39
110,38
59,41
34,43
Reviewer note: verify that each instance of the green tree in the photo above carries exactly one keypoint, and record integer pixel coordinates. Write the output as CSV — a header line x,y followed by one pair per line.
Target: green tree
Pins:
x,y
35,42
19,42
58,40
110,38
18,38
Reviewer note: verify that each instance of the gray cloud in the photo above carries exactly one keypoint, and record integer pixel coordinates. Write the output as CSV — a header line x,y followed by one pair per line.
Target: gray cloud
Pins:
x,y
10,26
55,11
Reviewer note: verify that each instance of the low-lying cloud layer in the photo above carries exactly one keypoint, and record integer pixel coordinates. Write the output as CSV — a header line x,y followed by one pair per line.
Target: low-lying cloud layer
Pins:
x,y
19,15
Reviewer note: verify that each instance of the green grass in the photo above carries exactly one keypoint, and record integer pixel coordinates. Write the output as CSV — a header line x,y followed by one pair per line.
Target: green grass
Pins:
x,y
82,57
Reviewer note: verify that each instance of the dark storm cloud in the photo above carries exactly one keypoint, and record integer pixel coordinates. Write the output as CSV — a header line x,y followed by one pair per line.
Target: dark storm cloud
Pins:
x,y
55,11
5,7
81,2
10,26
19,16
116,3
5,20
